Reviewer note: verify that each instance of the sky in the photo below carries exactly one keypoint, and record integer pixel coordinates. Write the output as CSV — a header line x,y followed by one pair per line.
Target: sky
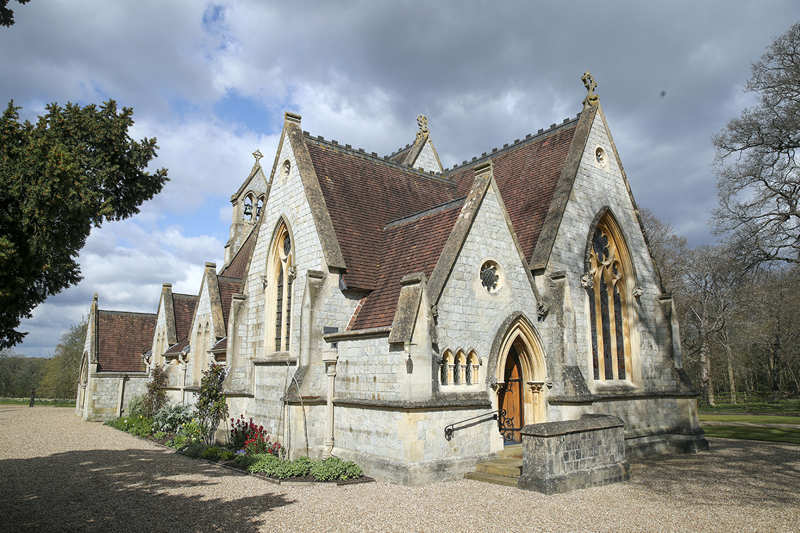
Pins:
x,y
211,82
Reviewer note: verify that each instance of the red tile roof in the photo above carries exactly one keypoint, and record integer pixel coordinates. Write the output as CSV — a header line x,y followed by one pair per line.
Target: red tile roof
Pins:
x,y
527,177
122,338
227,288
362,195
178,346
237,268
183,305
365,194
409,246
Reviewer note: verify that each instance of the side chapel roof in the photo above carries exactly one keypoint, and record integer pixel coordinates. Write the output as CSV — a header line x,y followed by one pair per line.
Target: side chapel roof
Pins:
x,y
122,337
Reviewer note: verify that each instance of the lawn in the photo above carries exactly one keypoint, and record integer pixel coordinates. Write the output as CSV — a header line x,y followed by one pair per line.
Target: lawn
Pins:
x,y
752,419
781,407
48,402
754,433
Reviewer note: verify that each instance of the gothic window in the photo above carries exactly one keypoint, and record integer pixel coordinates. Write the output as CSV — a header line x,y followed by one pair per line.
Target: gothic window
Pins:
x,y
473,367
607,283
279,290
446,370
247,212
259,207
458,369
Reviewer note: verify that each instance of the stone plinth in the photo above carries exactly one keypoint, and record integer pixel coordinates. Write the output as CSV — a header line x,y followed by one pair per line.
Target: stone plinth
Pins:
x,y
573,454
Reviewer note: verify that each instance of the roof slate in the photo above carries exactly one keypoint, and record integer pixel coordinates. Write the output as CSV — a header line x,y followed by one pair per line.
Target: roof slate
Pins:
x,y
237,268
227,288
368,198
183,306
122,338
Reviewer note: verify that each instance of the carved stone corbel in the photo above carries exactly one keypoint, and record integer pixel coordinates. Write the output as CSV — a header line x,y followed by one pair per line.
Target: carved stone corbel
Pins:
x,y
542,310
637,292
587,281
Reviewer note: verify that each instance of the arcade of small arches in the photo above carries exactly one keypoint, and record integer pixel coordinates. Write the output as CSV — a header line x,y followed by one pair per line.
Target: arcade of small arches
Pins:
x,y
253,207
459,368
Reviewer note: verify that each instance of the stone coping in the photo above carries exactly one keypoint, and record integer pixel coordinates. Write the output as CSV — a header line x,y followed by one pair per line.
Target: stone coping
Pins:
x,y
643,395
277,358
119,374
358,333
565,427
456,402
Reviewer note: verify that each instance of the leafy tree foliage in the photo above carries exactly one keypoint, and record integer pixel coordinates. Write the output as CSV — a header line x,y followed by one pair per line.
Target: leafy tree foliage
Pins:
x,y
156,396
19,375
6,14
758,174
75,168
211,406
60,379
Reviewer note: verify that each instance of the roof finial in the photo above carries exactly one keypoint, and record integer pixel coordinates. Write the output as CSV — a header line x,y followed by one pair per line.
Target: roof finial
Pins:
x,y
591,97
422,123
258,155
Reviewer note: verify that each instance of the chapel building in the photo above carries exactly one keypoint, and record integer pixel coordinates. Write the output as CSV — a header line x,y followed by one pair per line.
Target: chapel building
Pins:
x,y
367,303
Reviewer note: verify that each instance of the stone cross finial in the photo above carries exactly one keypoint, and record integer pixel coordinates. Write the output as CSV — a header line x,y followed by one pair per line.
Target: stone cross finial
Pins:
x,y
422,122
591,97
258,155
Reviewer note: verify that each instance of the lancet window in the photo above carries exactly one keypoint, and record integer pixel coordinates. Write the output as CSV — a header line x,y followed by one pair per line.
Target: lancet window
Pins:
x,y
279,290
608,284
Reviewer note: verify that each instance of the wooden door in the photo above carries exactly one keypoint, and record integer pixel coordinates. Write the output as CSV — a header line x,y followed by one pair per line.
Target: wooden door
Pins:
x,y
510,398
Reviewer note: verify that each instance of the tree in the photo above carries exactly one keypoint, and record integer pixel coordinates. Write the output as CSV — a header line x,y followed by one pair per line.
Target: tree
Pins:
x,y
74,169
670,251
60,379
757,167
6,14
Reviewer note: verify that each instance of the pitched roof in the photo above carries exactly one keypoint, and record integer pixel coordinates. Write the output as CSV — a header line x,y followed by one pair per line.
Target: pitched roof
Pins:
x,y
227,288
365,194
410,245
183,306
122,337
527,175
238,266
221,345
177,347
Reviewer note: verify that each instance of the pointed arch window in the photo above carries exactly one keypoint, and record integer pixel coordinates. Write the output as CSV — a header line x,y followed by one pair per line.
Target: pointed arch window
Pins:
x,y
608,284
279,290
247,212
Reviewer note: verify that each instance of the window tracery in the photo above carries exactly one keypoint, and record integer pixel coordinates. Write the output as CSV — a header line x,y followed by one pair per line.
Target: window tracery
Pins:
x,y
279,290
607,284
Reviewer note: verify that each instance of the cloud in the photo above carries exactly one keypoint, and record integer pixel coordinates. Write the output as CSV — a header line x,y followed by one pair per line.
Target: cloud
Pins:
x,y
211,80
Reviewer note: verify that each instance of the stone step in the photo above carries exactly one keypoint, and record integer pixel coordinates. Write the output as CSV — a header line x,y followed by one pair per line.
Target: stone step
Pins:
x,y
510,466
492,478
514,450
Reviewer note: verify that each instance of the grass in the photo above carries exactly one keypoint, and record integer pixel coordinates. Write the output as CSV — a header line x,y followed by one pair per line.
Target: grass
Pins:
x,y
48,402
780,407
791,436
752,419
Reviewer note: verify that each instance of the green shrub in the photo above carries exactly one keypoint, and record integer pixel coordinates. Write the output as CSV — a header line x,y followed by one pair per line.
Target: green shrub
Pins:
x,y
170,418
159,435
136,406
194,449
264,463
244,460
140,426
193,431
178,442
156,396
226,455
301,466
211,405
211,453
333,468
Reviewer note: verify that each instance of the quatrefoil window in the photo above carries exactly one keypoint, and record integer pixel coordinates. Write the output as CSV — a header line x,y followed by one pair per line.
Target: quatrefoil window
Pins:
x,y
490,276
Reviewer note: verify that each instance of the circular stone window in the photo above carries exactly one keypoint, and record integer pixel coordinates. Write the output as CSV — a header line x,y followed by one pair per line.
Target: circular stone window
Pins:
x,y
600,155
490,276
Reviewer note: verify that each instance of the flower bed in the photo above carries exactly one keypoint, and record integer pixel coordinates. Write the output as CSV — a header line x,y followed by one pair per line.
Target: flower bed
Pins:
x,y
250,449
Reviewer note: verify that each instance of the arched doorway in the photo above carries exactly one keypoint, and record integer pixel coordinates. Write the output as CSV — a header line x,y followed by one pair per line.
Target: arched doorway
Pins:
x,y
521,373
511,398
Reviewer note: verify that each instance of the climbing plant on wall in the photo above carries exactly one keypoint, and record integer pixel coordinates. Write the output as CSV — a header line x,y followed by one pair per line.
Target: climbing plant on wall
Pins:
x,y
211,406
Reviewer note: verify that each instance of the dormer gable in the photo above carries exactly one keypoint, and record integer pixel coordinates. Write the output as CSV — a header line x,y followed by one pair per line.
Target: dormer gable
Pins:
x,y
421,154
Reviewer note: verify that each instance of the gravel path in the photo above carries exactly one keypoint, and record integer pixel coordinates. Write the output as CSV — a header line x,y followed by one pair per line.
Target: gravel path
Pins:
x,y
60,474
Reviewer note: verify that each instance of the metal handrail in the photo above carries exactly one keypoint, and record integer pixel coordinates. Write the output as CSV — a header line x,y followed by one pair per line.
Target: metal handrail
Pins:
x,y
450,428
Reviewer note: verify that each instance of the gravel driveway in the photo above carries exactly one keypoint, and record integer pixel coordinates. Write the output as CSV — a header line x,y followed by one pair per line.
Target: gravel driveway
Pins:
x,y
58,473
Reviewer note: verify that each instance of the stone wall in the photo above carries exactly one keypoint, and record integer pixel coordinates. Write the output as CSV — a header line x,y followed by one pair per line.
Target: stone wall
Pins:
x,y
596,186
470,316
367,370
103,394
573,454
426,160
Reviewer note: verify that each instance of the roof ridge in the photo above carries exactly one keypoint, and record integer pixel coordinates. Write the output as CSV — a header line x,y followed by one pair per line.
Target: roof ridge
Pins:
x,y
126,312
529,138
420,214
373,156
